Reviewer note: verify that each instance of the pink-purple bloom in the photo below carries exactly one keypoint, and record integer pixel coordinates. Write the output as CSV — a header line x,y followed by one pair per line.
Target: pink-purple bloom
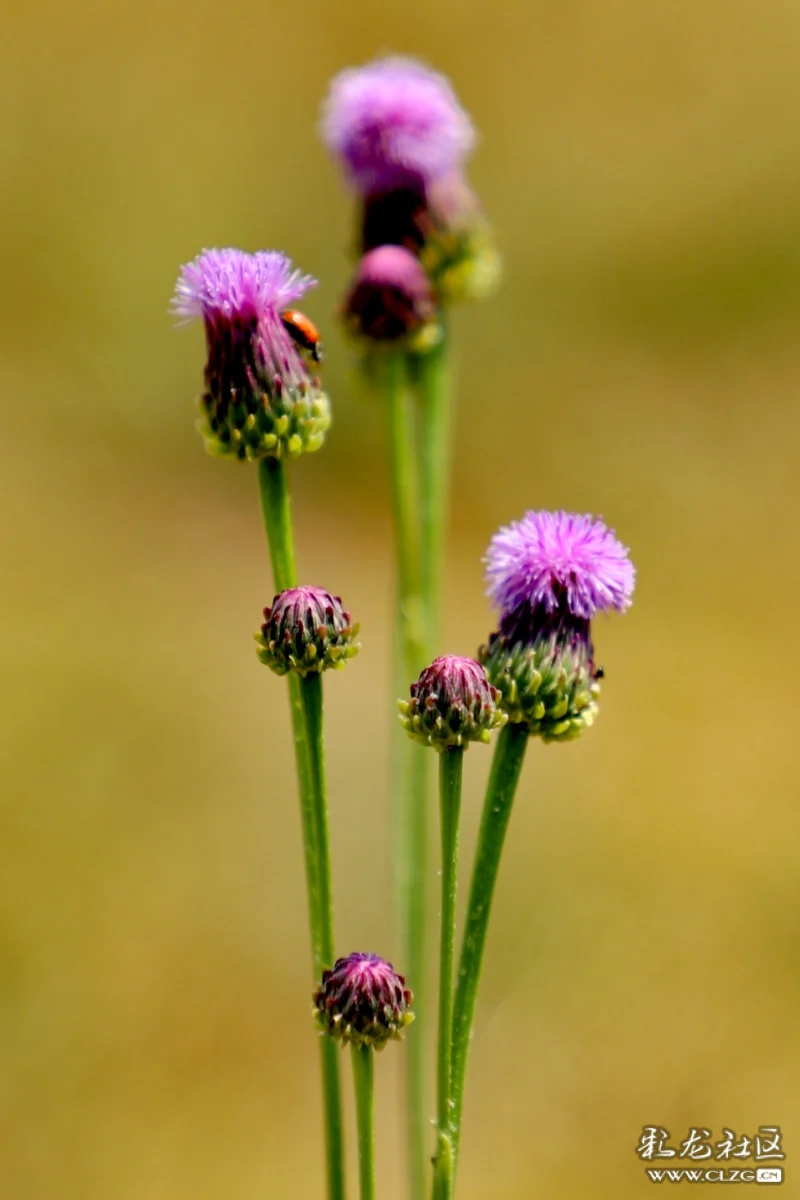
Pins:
x,y
228,285
549,574
259,400
240,297
363,1000
551,559
394,124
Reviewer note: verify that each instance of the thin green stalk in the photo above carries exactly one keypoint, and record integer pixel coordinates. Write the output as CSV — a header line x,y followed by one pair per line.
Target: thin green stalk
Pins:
x,y
412,775
306,712
451,762
310,688
434,443
311,698
273,488
501,788
364,1083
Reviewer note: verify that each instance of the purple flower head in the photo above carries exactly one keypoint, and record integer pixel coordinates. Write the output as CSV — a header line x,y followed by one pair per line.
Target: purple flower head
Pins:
x,y
390,296
452,704
306,631
240,297
395,123
259,400
553,560
231,285
363,1000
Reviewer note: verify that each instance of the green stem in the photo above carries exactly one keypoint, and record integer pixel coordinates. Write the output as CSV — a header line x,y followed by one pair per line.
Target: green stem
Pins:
x,y
305,703
311,698
451,764
412,764
310,688
363,1080
273,489
501,788
434,443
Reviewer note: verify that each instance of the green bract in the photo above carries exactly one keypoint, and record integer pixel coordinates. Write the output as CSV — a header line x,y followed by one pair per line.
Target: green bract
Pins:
x,y
553,690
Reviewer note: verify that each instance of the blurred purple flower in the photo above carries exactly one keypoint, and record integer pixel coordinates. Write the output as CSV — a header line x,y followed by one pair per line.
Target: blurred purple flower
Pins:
x,y
394,124
549,558
390,295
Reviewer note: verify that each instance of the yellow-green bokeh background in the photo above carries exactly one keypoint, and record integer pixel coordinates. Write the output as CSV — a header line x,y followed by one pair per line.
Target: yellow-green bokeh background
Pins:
x,y
641,162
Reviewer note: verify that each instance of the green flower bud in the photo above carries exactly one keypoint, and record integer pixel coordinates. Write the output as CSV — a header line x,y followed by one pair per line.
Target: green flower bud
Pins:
x,y
548,684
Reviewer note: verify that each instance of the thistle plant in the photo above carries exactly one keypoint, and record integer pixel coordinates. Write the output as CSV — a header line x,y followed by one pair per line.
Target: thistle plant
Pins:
x,y
260,402
549,574
421,243
402,139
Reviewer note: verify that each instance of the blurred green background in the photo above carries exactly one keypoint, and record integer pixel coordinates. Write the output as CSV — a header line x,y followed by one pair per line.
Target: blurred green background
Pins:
x,y
641,163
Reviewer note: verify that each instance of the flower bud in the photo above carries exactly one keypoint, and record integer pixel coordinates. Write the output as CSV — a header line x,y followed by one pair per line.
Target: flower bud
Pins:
x,y
452,704
362,1000
307,630
390,296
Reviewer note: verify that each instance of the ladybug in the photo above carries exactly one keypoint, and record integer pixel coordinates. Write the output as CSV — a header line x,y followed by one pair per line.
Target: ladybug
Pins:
x,y
303,332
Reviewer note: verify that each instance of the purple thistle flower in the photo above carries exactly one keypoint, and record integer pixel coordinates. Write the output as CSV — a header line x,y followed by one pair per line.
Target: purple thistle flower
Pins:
x,y
549,574
549,559
259,400
228,285
363,1000
452,704
395,123
390,296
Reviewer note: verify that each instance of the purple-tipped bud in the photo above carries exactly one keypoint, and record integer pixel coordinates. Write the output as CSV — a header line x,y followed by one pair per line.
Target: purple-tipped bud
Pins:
x,y
452,704
307,630
259,399
549,574
362,1000
395,123
390,296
